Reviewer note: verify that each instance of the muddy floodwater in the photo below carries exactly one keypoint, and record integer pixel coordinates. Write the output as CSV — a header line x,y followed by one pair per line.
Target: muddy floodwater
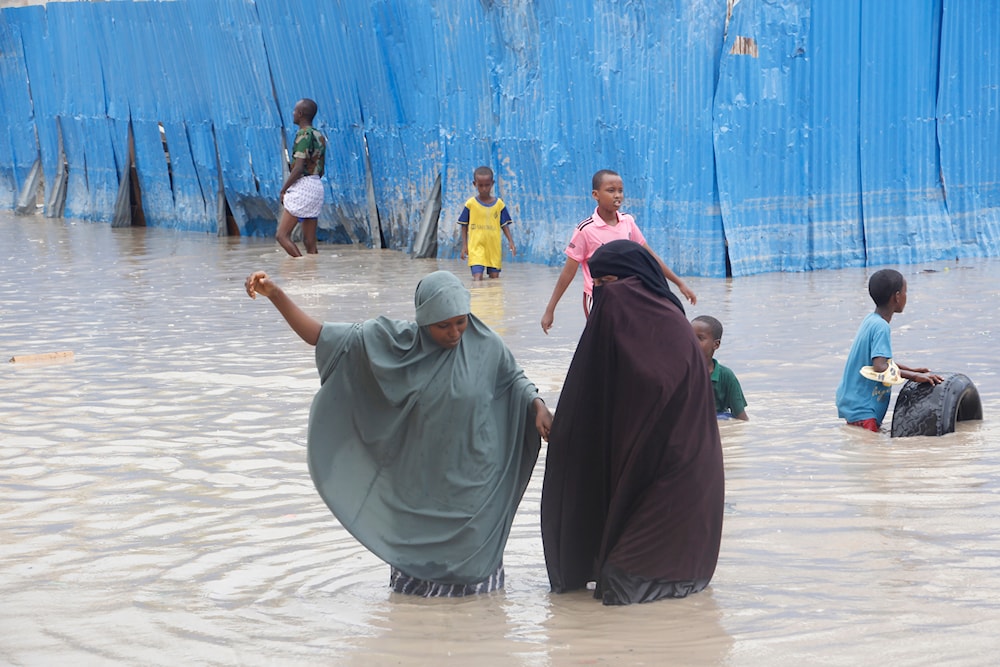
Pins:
x,y
156,508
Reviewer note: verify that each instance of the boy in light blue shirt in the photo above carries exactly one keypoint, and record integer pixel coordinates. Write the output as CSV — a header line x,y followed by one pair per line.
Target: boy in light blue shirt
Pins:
x,y
860,401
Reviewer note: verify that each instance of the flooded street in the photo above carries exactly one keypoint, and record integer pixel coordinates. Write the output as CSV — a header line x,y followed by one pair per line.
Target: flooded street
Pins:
x,y
157,509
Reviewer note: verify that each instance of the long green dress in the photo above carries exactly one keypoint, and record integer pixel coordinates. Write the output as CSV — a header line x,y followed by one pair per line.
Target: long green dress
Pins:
x,y
423,453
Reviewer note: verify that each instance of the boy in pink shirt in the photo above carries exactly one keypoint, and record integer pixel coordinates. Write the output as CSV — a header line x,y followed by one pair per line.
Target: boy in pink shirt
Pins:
x,y
606,224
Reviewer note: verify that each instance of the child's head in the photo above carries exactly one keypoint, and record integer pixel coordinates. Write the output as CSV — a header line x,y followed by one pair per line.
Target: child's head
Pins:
x,y
609,190
482,178
708,331
599,176
887,287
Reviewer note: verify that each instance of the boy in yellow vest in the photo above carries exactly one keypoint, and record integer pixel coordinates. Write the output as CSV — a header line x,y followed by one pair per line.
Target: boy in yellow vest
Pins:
x,y
481,222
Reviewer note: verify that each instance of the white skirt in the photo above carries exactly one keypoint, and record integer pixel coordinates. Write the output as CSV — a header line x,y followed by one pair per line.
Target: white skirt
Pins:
x,y
304,199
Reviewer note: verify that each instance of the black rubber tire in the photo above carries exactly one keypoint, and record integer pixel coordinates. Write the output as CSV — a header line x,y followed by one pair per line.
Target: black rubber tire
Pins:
x,y
925,409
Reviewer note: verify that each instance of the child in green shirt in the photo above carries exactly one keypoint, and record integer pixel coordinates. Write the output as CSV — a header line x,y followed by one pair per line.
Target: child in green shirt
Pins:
x,y
729,401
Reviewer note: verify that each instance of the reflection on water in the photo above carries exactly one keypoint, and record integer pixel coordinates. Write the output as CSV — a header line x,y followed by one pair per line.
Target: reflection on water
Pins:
x,y
157,507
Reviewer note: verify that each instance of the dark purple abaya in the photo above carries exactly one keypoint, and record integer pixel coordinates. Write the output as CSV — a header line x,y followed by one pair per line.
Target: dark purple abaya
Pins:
x,y
634,483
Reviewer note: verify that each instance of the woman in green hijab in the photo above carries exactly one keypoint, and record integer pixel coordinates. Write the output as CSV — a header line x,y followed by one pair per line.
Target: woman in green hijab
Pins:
x,y
422,436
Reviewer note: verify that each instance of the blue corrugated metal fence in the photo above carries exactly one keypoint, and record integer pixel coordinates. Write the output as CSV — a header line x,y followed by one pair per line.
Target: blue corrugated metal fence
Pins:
x,y
797,135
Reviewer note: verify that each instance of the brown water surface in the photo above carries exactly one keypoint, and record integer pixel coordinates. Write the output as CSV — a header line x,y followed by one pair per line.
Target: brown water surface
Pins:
x,y
156,507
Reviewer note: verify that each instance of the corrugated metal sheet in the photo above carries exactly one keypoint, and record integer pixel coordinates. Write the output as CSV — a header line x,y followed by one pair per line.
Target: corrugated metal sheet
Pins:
x,y
801,135
761,136
39,69
902,197
17,141
968,123
834,229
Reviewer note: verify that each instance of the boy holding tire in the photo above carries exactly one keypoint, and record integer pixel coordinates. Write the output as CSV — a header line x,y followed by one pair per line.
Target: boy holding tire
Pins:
x,y
861,401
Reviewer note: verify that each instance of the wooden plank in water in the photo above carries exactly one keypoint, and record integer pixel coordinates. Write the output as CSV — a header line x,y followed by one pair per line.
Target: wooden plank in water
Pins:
x,y
44,356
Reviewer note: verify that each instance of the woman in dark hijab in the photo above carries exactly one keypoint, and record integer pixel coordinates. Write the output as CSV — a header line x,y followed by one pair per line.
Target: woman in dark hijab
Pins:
x,y
634,485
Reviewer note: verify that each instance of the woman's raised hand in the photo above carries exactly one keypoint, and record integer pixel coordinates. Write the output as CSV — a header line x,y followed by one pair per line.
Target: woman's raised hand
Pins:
x,y
259,282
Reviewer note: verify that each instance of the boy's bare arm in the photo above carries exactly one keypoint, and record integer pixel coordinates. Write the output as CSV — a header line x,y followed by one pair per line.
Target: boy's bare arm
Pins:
x,y
510,240
919,374
565,278
672,277
305,326
465,241
911,368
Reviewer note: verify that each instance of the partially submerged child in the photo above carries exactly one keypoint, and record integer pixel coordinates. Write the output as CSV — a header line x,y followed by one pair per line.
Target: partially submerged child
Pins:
x,y
482,221
729,400
861,401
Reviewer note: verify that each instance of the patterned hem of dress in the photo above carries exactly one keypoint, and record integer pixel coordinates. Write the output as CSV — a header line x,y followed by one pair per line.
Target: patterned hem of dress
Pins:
x,y
400,582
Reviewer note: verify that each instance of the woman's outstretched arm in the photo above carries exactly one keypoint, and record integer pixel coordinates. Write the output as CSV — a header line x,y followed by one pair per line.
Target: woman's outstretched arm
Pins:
x,y
305,326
